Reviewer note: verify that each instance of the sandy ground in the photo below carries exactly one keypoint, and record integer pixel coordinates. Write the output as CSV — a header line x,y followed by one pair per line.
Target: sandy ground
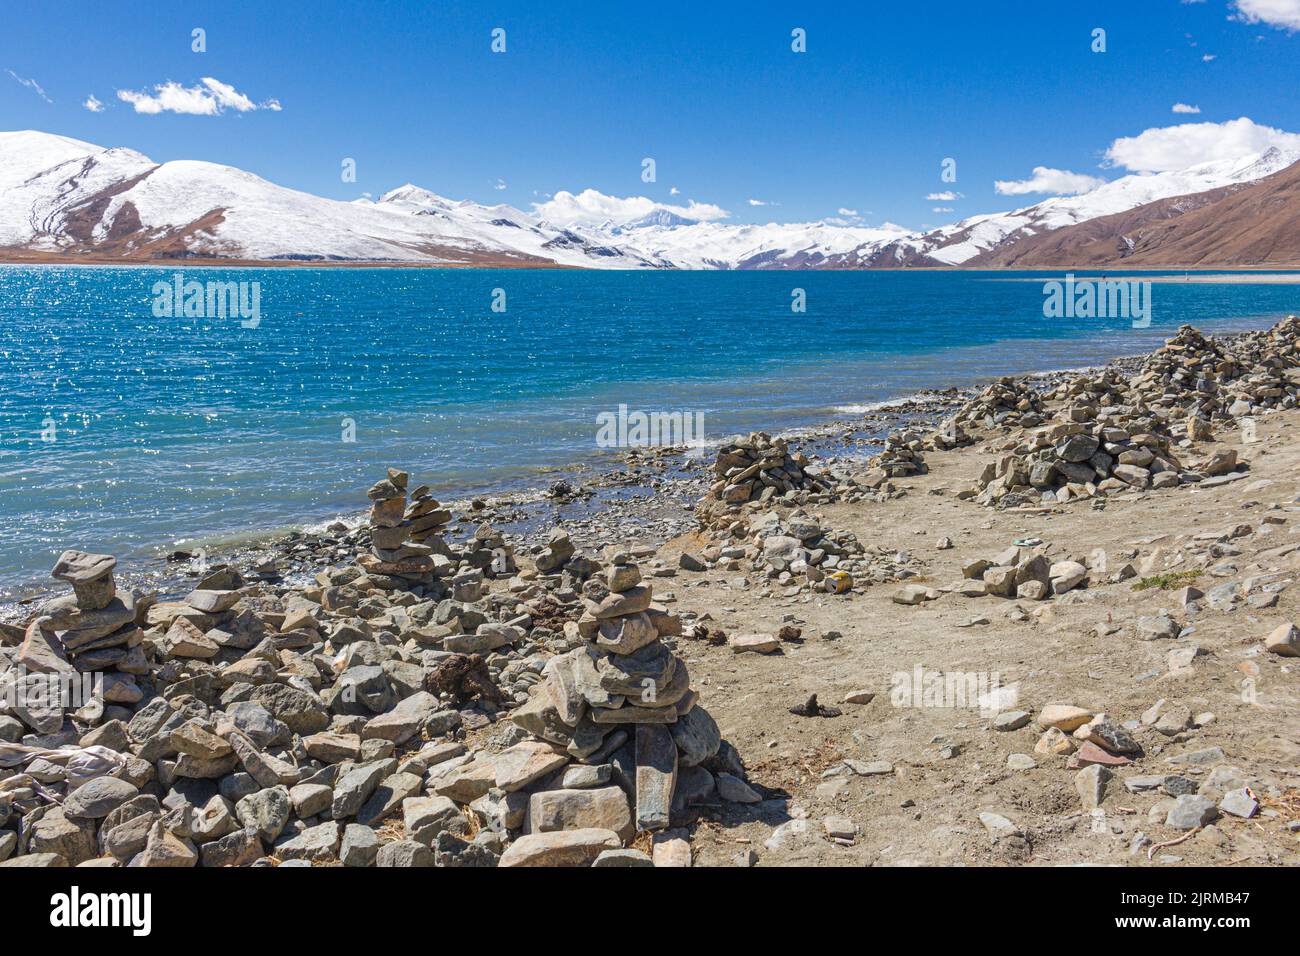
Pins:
x,y
927,810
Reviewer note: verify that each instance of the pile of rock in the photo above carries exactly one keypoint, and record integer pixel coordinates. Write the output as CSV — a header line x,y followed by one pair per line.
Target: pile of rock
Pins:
x,y
90,632
796,551
425,517
396,561
621,706
903,457
1102,454
1185,377
1007,403
756,471
1022,573
353,722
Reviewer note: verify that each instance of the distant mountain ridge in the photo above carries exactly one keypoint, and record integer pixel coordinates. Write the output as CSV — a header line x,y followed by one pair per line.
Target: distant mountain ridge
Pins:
x,y
64,199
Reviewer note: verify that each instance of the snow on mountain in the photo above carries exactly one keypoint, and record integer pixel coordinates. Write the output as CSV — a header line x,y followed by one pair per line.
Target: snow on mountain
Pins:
x,y
64,196
61,195
716,245
961,241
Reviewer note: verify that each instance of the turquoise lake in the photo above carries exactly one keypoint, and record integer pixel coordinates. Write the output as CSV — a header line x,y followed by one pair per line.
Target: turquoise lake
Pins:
x,y
125,431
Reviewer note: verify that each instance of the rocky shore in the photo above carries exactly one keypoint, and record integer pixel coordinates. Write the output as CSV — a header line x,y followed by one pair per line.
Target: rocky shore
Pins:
x,y
732,661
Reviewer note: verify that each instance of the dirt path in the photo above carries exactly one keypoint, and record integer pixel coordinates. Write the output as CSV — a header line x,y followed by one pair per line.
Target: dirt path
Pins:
x,y
949,764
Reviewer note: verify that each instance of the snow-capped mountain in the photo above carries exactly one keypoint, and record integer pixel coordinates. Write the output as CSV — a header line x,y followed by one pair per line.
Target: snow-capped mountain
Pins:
x,y
60,195
961,242
63,198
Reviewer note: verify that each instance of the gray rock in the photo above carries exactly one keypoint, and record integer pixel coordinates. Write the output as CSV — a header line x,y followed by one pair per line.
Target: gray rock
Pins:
x,y
1191,811
404,853
240,848
360,846
697,737
266,811
1239,803
97,798
318,843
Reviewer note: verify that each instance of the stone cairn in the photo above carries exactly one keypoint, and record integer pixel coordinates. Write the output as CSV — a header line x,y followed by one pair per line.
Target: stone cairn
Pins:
x,y
623,697
91,630
1077,460
1007,403
406,548
755,472
1123,433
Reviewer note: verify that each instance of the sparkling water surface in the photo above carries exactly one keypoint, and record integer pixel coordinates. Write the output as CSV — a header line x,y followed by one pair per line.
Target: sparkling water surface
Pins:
x,y
175,429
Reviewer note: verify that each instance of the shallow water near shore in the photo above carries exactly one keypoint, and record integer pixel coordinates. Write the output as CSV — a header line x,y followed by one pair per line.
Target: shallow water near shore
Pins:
x,y
176,429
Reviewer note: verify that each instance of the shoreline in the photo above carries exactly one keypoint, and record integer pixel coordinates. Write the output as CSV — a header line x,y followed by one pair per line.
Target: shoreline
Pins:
x,y
525,508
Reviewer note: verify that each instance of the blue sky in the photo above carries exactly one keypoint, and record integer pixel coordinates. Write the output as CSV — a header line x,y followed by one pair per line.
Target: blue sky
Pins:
x,y
711,91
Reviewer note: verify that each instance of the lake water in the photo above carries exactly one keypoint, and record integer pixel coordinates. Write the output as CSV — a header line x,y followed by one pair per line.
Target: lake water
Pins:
x,y
125,431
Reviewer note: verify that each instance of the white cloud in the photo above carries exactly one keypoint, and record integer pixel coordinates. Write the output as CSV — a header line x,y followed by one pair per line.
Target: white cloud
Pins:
x,y
942,209
1059,182
210,98
758,202
674,191
1282,14
592,206
946,196
846,212
92,103
1185,108
1209,57
1176,147
500,184
31,85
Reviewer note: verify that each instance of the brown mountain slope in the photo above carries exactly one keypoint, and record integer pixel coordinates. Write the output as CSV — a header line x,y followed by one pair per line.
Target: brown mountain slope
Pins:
x,y
1255,225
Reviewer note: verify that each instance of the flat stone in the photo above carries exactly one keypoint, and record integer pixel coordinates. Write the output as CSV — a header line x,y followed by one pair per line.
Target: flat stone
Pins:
x,y
81,567
1065,717
560,848
1089,754
520,765
1011,720
755,643
319,843
604,808
1239,803
388,797
734,790
212,602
